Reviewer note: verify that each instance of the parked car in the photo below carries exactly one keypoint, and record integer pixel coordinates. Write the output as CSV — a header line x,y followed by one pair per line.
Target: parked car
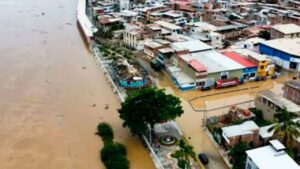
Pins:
x,y
203,158
274,77
205,88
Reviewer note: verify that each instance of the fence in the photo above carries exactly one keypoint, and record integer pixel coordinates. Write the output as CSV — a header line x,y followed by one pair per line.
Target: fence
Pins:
x,y
121,96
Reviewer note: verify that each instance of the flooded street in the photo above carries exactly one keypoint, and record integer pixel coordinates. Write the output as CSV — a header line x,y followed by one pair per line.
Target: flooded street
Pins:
x,y
217,103
52,93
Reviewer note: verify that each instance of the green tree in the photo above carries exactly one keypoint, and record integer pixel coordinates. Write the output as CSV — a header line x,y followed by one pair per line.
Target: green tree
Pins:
x,y
226,44
148,106
286,130
184,154
105,132
264,34
238,155
113,156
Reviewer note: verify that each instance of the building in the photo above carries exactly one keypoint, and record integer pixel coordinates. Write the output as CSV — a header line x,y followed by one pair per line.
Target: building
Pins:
x,y
286,52
129,16
192,64
272,156
206,33
170,27
136,38
270,103
250,68
264,65
292,91
251,43
247,131
146,12
285,31
107,7
151,47
107,24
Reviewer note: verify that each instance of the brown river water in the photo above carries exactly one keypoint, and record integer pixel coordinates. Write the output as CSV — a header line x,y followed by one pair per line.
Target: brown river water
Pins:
x,y
52,93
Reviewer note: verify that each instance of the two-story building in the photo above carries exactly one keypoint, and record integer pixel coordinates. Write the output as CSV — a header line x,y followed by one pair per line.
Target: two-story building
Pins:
x,y
270,103
292,91
174,29
285,31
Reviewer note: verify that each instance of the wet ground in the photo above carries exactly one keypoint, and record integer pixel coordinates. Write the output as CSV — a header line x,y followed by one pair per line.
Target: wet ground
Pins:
x,y
52,93
217,102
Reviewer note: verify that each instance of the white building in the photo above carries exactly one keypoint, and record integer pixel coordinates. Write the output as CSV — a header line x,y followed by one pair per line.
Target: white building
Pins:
x,y
170,27
206,33
272,156
124,4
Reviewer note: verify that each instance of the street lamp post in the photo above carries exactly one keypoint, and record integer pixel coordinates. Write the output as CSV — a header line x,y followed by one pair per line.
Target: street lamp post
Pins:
x,y
204,115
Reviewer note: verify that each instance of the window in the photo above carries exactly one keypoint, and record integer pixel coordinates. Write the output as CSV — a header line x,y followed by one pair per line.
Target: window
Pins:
x,y
249,166
264,100
293,65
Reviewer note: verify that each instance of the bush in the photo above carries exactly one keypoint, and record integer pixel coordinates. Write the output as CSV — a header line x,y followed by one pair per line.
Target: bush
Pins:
x,y
105,132
113,156
259,119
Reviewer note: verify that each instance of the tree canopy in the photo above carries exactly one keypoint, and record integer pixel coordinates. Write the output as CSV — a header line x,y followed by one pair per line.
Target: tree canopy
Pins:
x,y
105,132
286,130
264,34
113,155
238,155
148,106
183,155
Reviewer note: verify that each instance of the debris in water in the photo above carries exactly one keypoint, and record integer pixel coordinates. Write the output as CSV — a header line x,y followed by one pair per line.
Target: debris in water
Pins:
x,y
94,105
106,106
83,67
43,13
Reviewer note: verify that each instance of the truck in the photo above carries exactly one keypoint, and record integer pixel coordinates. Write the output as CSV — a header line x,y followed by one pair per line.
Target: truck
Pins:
x,y
222,83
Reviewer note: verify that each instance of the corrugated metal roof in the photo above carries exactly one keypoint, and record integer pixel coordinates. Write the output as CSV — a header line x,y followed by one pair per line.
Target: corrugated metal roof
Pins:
x,y
197,65
239,59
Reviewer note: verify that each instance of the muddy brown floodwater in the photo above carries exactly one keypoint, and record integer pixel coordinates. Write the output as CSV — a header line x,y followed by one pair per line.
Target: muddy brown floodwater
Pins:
x,y
52,93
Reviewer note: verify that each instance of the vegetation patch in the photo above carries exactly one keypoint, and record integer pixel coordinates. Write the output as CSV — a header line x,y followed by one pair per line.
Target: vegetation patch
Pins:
x,y
113,155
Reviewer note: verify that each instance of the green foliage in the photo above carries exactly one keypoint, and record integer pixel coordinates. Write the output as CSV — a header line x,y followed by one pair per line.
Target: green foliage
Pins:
x,y
286,130
238,155
184,154
259,118
226,44
113,156
264,34
232,17
105,132
290,152
148,106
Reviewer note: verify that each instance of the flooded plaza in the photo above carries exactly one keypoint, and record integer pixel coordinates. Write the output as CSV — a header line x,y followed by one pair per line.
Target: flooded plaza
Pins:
x,y
52,92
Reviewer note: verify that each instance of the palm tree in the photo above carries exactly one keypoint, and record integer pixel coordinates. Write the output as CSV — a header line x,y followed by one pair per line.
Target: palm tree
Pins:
x,y
286,129
184,154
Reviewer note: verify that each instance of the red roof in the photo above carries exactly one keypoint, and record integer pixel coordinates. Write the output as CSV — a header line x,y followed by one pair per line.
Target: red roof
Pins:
x,y
239,59
197,65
